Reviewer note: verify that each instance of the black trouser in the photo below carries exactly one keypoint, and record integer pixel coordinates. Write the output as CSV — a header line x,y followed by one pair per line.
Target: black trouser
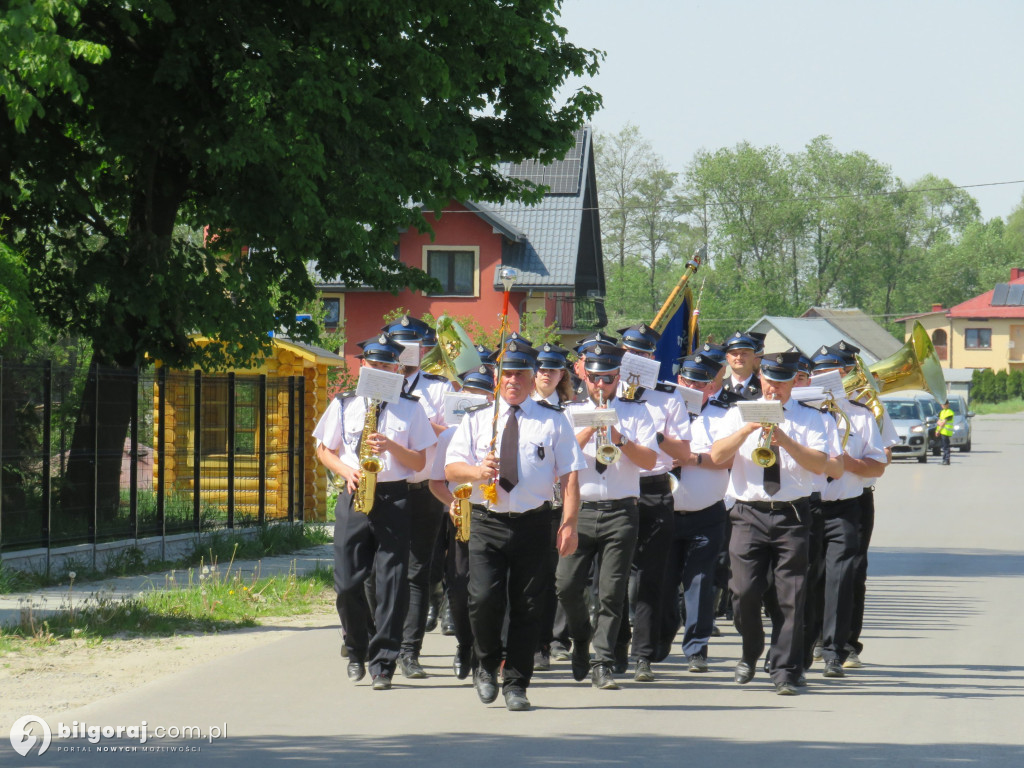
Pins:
x,y
814,598
841,521
770,540
549,607
609,534
378,541
860,567
508,566
457,576
693,558
650,565
426,514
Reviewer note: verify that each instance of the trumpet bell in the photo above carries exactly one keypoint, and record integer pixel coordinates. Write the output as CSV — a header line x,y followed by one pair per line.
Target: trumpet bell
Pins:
x,y
454,353
608,454
763,457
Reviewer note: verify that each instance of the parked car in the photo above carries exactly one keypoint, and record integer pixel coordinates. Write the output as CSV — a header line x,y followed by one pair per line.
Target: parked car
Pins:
x,y
909,419
931,408
961,438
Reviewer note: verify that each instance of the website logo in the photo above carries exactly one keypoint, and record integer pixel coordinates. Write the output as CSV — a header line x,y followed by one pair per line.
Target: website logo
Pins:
x,y
23,736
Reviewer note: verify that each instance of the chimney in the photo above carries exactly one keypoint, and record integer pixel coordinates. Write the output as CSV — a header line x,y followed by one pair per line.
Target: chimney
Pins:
x,y
936,307
1016,273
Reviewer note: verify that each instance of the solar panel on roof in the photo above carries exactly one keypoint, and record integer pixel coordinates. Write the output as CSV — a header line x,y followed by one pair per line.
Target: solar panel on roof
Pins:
x,y
1016,296
562,177
999,295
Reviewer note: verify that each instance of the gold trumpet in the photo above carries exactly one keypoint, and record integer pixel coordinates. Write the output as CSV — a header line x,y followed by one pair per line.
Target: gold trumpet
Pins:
x,y
763,455
462,492
605,452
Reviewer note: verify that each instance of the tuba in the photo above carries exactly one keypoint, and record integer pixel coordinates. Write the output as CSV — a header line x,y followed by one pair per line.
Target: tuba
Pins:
x,y
913,366
604,450
369,462
860,385
462,492
454,353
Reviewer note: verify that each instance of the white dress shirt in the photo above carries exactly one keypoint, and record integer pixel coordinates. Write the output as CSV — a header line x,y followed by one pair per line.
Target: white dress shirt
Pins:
x,y
700,487
547,450
403,421
865,442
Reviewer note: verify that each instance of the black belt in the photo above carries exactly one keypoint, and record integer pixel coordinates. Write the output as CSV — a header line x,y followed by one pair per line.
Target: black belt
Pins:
x,y
545,507
716,505
773,506
419,486
655,483
610,504
392,486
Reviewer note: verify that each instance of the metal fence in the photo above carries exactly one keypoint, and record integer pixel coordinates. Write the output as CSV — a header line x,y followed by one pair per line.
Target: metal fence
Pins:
x,y
105,454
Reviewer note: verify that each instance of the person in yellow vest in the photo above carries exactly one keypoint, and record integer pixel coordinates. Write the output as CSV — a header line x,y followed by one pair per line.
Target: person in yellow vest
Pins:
x,y
945,429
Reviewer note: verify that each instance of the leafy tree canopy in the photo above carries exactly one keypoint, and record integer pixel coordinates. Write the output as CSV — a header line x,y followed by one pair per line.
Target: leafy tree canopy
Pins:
x,y
295,133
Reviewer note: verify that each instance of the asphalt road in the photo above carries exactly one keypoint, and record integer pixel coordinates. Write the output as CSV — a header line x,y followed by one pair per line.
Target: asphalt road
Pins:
x,y
943,680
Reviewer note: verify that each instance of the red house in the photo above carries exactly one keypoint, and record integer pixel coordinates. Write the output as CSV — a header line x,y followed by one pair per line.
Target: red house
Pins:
x,y
554,245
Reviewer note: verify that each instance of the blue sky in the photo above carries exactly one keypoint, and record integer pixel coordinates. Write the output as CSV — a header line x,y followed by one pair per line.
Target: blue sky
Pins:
x,y
925,87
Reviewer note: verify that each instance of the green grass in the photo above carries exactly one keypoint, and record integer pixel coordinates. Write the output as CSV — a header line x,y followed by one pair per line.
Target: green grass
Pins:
x,y
214,600
273,539
1007,406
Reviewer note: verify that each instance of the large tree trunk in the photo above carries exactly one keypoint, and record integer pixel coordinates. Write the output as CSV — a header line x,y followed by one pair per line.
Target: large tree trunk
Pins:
x,y
93,478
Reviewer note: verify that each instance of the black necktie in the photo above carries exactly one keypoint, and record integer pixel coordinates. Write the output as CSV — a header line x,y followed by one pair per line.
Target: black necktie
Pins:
x,y
508,467
773,475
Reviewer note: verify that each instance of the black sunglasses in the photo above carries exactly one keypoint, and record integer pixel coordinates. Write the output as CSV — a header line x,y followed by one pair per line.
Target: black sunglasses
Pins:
x,y
602,378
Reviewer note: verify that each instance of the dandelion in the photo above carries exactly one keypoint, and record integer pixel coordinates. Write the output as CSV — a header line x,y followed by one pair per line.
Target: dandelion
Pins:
x,y
72,575
231,591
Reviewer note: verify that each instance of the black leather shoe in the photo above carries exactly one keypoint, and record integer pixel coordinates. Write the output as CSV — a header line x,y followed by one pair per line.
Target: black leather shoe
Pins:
x,y
643,673
601,677
382,682
486,688
833,669
411,668
621,660
461,663
785,688
580,660
356,671
431,624
515,700
744,673
447,625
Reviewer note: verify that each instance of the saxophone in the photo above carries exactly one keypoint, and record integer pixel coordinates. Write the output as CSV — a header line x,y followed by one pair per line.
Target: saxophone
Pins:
x,y
369,462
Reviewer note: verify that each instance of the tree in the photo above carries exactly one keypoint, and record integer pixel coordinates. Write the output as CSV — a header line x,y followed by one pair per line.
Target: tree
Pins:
x,y
295,135
622,161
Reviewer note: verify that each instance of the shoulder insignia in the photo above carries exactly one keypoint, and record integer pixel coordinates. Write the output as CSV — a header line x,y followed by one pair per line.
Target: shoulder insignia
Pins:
x,y
634,401
480,407
664,387
343,395
859,404
408,396
434,377
813,407
552,406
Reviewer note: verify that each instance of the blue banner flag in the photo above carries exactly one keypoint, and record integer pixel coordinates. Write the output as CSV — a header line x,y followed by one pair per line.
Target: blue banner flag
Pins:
x,y
677,340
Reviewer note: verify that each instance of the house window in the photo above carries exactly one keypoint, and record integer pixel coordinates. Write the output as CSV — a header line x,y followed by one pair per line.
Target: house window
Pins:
x,y
978,338
332,308
455,269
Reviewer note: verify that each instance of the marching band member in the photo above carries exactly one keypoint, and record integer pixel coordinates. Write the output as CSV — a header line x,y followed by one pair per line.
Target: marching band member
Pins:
x,y
511,536
699,520
377,541
864,459
770,520
427,513
654,534
608,517
742,352
479,381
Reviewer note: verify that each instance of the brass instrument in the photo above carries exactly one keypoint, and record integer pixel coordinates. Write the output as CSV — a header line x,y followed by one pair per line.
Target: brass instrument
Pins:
x,y
462,492
839,415
678,295
369,462
604,450
454,354
860,385
508,277
913,366
763,455
632,385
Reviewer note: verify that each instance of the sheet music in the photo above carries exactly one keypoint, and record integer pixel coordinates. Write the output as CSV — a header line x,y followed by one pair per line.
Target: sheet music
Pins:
x,y
639,370
410,353
380,385
592,417
761,411
456,403
808,394
693,398
831,381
